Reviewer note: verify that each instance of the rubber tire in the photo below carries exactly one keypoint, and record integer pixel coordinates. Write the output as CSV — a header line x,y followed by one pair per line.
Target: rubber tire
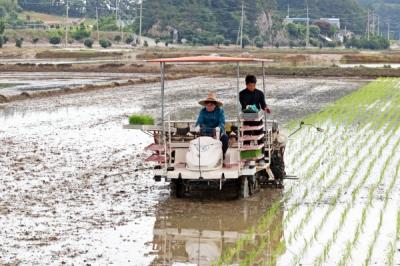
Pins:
x,y
254,187
244,191
180,189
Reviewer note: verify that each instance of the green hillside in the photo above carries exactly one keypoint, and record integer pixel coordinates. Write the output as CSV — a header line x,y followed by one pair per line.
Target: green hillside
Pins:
x,y
206,18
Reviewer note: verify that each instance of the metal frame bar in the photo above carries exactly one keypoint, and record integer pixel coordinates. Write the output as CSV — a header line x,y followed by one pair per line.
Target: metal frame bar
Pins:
x,y
162,78
238,110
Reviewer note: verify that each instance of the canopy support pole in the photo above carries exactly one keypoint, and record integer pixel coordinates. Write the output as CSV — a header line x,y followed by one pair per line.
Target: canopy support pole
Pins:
x,y
238,107
162,66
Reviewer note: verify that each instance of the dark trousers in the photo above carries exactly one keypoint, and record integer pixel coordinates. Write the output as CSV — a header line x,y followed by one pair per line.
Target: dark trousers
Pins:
x,y
224,139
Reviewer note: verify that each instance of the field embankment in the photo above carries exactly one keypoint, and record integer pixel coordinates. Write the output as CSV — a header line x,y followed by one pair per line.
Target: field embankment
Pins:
x,y
370,58
79,54
142,67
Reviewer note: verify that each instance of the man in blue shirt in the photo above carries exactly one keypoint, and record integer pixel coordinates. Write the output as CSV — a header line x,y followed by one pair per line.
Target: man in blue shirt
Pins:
x,y
212,117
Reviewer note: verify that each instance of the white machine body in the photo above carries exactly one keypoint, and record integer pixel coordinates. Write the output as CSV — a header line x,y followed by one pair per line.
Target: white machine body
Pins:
x,y
204,154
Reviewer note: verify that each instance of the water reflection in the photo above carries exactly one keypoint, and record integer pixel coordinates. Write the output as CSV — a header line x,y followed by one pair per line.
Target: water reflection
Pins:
x,y
190,232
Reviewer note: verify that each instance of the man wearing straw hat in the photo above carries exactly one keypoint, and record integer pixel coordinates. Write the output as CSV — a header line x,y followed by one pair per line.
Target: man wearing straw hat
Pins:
x,y
212,117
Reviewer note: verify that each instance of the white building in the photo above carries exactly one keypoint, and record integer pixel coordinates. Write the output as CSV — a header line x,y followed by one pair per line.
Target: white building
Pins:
x,y
332,21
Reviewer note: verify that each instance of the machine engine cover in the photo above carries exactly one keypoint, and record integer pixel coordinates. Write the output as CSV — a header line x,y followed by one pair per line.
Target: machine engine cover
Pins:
x,y
205,154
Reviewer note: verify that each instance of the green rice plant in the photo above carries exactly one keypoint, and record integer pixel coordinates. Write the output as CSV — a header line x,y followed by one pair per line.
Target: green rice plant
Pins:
x,y
319,198
352,114
322,192
398,226
264,223
372,190
314,235
363,216
141,120
371,246
322,258
250,154
390,254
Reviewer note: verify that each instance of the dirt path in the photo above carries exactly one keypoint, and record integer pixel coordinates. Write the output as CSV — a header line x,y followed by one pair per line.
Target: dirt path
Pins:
x,y
58,202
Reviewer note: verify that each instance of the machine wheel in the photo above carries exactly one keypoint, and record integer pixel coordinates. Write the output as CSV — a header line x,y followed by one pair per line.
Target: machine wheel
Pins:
x,y
244,190
254,185
177,188
180,188
279,184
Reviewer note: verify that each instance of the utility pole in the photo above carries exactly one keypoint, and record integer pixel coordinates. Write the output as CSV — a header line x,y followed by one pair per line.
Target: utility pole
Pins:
x,y
368,25
140,22
241,26
373,23
388,30
97,24
378,27
66,25
116,12
308,27
288,11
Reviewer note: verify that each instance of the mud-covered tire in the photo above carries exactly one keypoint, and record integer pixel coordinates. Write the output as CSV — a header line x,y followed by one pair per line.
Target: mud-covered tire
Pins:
x,y
177,188
244,191
254,185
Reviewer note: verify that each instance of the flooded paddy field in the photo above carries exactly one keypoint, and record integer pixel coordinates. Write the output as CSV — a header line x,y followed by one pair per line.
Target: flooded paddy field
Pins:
x,y
12,83
74,189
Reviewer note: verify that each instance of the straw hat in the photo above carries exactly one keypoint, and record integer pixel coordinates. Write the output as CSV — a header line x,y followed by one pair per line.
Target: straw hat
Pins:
x,y
211,97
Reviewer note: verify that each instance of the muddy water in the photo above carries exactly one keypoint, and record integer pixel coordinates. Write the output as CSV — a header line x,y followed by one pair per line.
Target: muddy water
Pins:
x,y
35,81
72,188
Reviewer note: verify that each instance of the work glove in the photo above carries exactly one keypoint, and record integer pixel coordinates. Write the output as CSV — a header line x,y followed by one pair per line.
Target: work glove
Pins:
x,y
197,129
267,110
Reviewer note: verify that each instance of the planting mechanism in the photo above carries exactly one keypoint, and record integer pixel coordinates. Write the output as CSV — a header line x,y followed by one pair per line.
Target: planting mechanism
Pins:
x,y
192,162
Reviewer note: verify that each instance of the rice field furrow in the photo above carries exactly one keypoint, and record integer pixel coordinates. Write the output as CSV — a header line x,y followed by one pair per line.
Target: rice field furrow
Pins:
x,y
320,196
329,185
319,261
324,256
385,119
364,216
329,153
344,215
342,209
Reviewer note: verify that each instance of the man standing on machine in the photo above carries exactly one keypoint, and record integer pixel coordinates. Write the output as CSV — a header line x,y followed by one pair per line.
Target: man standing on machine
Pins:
x,y
253,100
252,96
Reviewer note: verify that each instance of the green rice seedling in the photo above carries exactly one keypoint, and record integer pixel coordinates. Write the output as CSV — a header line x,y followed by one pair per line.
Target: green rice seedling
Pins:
x,y
371,246
319,198
346,185
322,258
141,120
342,262
390,255
363,216
398,226
265,222
372,119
